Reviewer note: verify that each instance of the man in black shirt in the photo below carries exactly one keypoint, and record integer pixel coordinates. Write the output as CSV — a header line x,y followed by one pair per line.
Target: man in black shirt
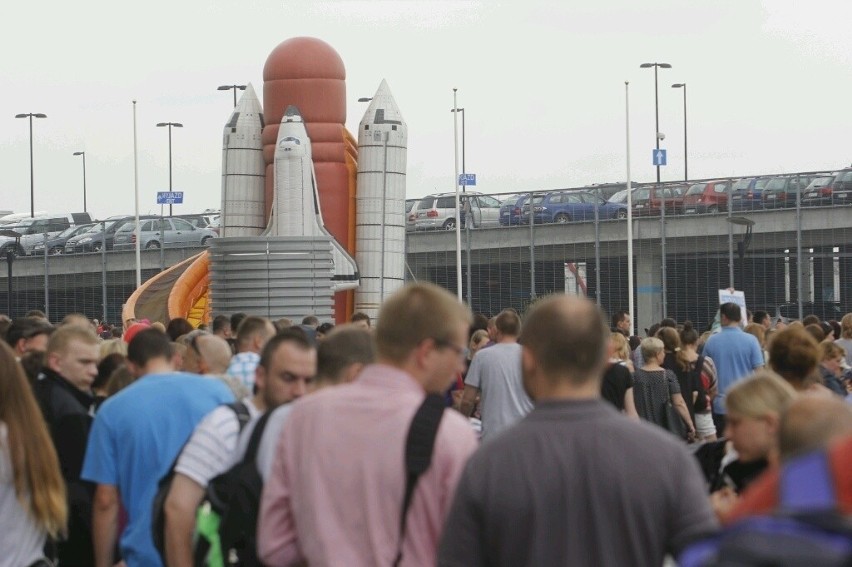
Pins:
x,y
63,390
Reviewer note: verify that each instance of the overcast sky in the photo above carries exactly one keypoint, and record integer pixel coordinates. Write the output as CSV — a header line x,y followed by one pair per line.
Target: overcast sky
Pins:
x,y
542,84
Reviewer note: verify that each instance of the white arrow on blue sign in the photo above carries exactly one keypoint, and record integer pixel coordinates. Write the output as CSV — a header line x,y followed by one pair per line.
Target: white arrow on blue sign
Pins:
x,y
658,157
467,179
169,197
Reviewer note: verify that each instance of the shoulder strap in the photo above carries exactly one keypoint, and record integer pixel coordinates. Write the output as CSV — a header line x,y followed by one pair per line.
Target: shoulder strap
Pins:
x,y
242,411
419,446
254,440
806,483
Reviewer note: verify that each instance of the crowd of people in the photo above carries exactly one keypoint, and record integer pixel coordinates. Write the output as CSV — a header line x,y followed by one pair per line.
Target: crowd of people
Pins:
x,y
433,437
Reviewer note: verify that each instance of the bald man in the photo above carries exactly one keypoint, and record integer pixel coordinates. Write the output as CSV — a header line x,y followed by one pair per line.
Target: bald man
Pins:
x,y
552,489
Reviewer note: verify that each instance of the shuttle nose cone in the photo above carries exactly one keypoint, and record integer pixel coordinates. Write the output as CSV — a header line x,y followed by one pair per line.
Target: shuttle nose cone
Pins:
x,y
292,114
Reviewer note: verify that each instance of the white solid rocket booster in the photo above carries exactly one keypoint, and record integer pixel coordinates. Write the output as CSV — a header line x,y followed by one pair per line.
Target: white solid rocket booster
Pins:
x,y
380,201
243,169
296,206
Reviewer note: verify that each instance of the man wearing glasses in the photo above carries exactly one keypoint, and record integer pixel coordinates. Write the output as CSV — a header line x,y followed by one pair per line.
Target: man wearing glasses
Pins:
x,y
335,491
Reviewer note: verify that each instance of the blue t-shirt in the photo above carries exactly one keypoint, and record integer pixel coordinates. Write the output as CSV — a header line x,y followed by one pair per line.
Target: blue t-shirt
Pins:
x,y
736,355
134,440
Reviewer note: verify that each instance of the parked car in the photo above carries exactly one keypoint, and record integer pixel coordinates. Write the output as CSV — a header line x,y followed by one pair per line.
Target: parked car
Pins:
x,y
818,191
838,191
410,214
648,201
95,238
747,193
567,206
162,232
32,230
511,211
780,192
825,310
56,244
439,211
706,197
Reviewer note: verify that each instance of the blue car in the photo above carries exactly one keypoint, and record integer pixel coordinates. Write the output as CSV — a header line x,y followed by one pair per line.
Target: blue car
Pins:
x,y
511,210
566,206
747,193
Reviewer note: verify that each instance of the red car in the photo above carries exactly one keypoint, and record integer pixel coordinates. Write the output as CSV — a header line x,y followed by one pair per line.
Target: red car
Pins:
x,y
706,197
648,201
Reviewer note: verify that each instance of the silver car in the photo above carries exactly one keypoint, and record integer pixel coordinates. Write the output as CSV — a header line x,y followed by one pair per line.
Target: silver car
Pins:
x,y
178,234
438,212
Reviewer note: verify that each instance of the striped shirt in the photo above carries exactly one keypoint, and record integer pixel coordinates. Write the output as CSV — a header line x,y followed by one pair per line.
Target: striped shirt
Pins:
x,y
212,449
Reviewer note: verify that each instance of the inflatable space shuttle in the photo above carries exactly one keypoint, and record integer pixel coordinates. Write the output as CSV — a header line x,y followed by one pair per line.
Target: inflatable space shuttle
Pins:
x,y
296,206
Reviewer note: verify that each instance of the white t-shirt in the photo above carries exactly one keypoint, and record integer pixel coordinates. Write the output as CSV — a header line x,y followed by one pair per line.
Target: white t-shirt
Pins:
x,y
212,448
268,441
21,540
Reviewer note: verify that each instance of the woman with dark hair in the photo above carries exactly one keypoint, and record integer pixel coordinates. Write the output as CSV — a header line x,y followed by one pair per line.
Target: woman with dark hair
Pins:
x,y
32,493
676,361
703,372
178,327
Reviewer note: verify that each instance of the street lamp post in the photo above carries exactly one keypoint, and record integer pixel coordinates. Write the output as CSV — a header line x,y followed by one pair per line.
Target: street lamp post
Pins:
x,y
31,115
469,213
742,245
657,137
656,103
170,125
685,163
235,88
84,178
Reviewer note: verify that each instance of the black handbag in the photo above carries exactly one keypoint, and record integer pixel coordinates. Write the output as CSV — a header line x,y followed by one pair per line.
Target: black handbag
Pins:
x,y
673,422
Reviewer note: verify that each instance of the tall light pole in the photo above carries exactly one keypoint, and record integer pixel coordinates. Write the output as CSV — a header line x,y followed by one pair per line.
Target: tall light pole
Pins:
x,y
656,103
170,125
235,88
458,209
685,163
469,213
84,178
31,115
657,136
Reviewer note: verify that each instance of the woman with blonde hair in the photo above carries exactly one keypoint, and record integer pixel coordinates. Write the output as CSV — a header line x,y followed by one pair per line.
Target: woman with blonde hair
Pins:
x,y
655,386
754,407
32,493
621,350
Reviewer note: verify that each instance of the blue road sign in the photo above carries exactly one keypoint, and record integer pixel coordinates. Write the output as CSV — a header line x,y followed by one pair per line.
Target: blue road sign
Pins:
x,y
658,157
169,197
467,179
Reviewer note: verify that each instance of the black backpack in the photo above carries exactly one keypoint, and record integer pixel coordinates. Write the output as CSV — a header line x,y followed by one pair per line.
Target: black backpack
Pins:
x,y
700,404
226,525
158,518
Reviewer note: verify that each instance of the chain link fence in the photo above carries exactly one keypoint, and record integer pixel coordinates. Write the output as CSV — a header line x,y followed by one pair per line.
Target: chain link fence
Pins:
x,y
784,240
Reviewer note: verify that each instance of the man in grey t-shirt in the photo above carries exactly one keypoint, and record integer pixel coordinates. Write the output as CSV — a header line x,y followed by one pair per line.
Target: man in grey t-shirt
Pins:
x,y
495,372
575,482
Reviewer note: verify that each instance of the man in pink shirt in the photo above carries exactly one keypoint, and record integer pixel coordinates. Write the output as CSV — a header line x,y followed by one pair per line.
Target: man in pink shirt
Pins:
x,y
335,493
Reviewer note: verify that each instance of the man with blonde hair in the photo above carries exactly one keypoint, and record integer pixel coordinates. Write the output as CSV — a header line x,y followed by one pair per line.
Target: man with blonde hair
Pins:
x,y
336,489
495,373
552,489
64,392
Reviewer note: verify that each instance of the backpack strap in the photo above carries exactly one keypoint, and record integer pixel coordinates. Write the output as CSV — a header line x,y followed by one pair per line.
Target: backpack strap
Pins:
x,y
419,446
806,484
256,436
242,412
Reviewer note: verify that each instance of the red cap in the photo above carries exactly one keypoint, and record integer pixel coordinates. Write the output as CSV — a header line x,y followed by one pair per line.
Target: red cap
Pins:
x,y
133,330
